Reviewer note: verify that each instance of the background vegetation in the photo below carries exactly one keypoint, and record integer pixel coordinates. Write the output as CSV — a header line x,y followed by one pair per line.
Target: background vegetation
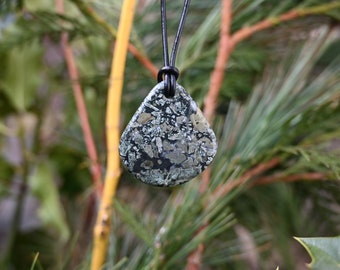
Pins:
x,y
276,116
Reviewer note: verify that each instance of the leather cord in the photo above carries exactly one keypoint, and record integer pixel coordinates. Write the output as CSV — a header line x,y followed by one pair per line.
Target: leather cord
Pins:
x,y
169,73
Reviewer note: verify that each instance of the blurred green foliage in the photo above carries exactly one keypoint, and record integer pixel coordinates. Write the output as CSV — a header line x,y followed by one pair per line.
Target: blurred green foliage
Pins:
x,y
280,98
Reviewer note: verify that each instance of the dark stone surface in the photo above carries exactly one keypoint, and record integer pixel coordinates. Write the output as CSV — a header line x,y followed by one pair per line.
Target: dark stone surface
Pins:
x,y
168,141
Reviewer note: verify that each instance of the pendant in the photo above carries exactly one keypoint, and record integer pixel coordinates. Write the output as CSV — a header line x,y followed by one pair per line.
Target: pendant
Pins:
x,y
168,140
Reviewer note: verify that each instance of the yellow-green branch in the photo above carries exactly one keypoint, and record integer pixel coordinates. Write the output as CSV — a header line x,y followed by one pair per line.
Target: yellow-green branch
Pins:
x,y
103,222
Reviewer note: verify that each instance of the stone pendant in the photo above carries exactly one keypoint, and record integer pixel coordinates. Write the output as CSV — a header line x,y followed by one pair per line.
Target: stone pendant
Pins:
x,y
168,141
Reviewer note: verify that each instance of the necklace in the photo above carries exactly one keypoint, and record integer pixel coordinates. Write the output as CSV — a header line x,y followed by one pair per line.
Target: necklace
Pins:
x,y
168,140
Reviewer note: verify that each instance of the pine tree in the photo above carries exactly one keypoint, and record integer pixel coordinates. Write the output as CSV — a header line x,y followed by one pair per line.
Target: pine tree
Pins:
x,y
276,115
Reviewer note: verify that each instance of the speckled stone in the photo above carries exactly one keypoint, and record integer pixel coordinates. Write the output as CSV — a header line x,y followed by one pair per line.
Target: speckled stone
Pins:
x,y
168,141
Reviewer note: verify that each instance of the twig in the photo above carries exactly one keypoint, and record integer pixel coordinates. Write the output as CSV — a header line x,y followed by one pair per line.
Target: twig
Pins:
x,y
205,180
246,32
103,223
223,189
195,258
228,43
144,60
81,108
261,168
223,53
314,176
225,48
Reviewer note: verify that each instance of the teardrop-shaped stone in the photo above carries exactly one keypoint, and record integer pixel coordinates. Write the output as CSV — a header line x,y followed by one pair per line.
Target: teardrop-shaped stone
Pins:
x,y
168,141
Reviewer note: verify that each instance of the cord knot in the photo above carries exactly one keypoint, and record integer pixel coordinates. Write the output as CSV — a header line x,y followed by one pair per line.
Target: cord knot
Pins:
x,y
169,74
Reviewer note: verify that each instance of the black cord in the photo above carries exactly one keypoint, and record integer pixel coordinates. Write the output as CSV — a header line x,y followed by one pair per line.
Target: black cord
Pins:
x,y
169,71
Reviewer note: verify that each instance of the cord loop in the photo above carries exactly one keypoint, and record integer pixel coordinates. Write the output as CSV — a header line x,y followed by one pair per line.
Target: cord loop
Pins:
x,y
167,70
169,75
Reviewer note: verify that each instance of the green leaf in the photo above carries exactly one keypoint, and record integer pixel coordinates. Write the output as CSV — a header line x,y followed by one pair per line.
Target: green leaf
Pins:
x,y
21,78
51,212
325,252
